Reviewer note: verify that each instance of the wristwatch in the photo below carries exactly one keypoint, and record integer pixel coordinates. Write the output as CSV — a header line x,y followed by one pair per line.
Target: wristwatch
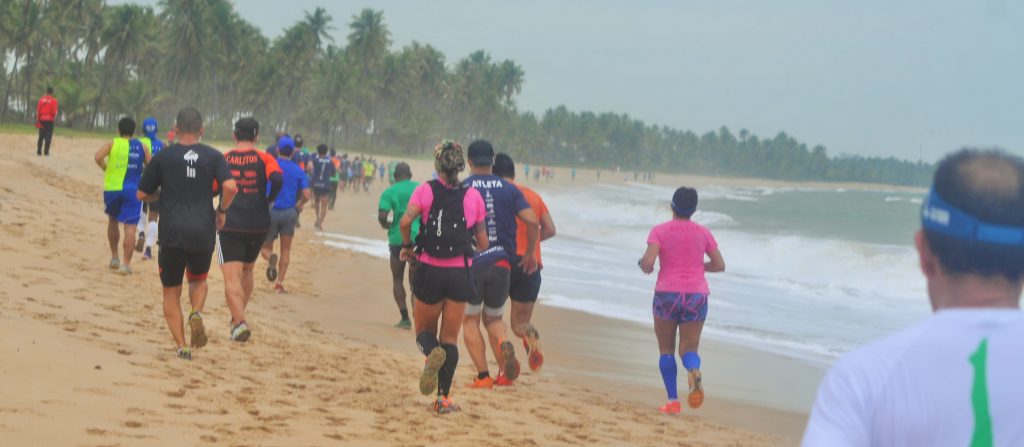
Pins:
x,y
409,245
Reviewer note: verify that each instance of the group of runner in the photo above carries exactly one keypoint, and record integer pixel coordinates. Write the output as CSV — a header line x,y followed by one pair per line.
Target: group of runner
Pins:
x,y
471,245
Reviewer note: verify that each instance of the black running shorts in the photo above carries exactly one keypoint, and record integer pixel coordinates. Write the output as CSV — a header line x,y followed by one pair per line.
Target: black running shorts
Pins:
x,y
523,288
176,262
239,247
492,282
432,284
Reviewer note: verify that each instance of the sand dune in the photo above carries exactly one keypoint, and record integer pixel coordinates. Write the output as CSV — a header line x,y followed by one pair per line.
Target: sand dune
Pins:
x,y
87,359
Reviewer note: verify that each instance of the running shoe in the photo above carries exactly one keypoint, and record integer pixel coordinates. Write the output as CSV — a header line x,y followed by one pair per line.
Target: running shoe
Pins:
x,y
279,288
141,242
503,381
673,407
444,405
148,254
272,268
185,353
433,363
240,332
509,362
532,343
114,264
482,384
404,324
198,330
124,270
696,397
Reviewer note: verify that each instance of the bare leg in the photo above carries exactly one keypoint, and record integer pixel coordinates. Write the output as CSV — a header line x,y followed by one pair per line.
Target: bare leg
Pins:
x,y
267,250
474,340
172,313
197,294
398,281
451,321
113,237
233,292
496,334
129,243
689,337
426,315
286,256
248,284
521,315
665,330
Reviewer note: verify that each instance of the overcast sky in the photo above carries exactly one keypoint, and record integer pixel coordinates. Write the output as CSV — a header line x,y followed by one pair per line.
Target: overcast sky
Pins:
x,y
871,77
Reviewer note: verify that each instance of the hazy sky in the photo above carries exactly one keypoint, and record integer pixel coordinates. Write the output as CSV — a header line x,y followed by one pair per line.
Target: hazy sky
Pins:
x,y
871,77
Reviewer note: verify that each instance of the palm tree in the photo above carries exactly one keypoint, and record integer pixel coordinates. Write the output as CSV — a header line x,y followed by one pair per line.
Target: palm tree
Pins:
x,y
510,78
127,31
319,24
369,38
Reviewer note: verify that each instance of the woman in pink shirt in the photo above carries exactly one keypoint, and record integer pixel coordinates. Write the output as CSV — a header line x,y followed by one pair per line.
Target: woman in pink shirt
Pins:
x,y
681,294
452,214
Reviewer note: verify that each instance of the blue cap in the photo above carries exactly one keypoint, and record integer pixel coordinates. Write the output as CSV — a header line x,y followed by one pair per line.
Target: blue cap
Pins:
x,y
149,127
286,146
939,216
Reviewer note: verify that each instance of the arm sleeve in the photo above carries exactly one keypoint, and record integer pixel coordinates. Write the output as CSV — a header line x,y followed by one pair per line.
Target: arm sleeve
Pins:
x,y
303,182
386,202
654,237
221,170
712,244
150,176
521,203
475,210
839,418
276,182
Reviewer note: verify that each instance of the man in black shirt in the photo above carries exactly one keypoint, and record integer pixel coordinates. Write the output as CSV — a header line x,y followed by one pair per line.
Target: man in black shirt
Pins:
x,y
188,175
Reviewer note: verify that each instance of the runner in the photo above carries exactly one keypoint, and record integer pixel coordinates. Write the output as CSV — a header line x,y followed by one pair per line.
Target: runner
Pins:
x,y
523,288
442,285
247,222
357,174
381,169
272,149
367,175
391,171
122,162
46,114
492,268
186,175
323,170
284,215
345,172
335,179
302,158
681,293
147,238
394,200
953,379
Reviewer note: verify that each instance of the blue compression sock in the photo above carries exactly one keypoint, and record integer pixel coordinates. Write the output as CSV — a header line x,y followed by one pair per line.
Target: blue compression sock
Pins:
x,y
691,361
667,363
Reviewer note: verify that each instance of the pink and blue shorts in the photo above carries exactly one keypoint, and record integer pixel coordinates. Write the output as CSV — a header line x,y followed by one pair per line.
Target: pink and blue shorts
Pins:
x,y
681,307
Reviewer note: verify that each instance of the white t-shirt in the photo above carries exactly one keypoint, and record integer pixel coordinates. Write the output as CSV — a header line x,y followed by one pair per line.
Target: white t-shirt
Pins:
x,y
934,384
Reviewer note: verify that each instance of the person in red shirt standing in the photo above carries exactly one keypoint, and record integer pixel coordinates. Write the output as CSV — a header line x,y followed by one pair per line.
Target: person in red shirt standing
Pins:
x,y
46,114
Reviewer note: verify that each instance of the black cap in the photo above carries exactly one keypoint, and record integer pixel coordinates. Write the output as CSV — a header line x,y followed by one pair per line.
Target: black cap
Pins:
x,y
481,153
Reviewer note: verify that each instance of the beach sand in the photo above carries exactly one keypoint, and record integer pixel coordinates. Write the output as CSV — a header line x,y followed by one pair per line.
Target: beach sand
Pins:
x,y
88,360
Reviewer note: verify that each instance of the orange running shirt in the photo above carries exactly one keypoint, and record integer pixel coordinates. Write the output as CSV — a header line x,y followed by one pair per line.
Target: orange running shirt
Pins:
x,y
540,209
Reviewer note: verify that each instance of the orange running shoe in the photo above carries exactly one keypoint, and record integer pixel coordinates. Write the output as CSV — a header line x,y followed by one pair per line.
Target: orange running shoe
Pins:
x,y
503,381
696,397
532,343
482,384
673,407
444,405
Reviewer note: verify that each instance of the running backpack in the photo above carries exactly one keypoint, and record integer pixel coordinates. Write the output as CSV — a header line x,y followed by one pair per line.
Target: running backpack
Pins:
x,y
445,234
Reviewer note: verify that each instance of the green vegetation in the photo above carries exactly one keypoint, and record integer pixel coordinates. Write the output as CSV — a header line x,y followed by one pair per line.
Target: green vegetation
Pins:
x,y
107,61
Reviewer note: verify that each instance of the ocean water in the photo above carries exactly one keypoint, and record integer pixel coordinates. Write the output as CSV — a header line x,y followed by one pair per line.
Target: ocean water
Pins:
x,y
811,273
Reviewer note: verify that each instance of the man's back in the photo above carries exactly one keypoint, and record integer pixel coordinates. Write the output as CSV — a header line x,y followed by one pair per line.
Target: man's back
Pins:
x,y
294,181
249,212
503,201
946,381
185,176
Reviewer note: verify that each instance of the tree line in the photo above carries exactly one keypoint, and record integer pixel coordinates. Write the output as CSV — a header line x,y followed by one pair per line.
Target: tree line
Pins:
x,y
106,61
